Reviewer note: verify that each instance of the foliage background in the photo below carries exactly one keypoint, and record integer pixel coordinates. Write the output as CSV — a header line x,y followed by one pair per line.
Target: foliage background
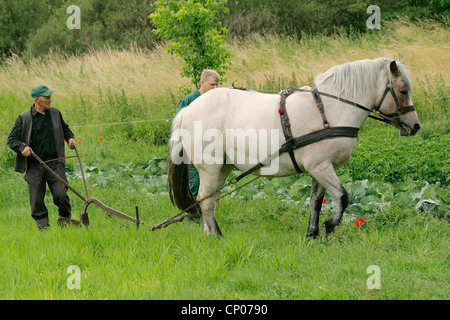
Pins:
x,y
30,27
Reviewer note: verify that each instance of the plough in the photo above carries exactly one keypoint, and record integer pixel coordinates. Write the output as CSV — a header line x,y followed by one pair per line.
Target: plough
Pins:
x,y
111,212
84,217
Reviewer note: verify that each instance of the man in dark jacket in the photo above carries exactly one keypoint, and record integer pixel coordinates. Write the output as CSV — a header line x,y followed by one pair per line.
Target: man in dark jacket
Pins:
x,y
42,130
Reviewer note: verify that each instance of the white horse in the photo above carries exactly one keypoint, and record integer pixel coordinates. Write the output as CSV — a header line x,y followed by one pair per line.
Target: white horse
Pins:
x,y
200,133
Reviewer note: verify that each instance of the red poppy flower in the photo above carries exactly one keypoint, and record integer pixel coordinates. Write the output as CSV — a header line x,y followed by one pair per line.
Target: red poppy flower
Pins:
x,y
79,142
100,138
281,111
439,126
359,221
324,201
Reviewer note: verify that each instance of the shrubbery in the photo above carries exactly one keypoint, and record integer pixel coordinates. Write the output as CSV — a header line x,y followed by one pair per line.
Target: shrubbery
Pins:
x,y
39,25
32,27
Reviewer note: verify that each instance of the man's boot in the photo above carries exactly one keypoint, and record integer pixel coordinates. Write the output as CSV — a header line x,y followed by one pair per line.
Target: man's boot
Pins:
x,y
67,222
43,224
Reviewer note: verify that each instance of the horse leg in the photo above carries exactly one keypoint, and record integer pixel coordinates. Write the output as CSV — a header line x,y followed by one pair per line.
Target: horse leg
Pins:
x,y
326,176
210,183
315,204
342,203
210,225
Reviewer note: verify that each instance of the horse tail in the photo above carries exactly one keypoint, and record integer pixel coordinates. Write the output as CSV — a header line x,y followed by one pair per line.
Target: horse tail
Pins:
x,y
178,175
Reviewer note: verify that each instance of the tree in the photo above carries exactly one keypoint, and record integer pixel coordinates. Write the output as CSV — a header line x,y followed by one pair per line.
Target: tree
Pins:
x,y
194,33
18,19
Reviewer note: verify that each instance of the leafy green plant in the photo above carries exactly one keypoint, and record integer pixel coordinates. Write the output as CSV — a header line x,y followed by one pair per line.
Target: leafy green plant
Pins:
x,y
194,33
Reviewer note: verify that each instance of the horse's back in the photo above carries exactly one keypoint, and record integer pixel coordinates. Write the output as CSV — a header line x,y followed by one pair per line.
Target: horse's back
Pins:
x,y
223,108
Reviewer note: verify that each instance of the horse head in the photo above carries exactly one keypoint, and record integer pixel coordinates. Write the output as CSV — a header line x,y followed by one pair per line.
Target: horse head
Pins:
x,y
395,104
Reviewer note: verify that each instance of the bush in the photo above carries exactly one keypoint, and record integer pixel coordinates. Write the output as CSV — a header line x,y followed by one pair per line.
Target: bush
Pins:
x,y
19,20
34,26
194,33
325,17
114,24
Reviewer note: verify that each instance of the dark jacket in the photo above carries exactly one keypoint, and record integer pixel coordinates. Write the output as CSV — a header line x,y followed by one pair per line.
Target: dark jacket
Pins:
x,y
17,143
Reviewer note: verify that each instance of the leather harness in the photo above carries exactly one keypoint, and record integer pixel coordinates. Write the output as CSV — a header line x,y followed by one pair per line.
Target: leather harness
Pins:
x,y
327,132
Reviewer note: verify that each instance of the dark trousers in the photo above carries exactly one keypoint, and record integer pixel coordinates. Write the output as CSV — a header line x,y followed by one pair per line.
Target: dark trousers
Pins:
x,y
37,177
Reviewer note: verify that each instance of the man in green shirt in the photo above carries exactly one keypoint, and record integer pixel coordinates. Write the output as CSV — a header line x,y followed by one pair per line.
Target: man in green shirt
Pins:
x,y
42,130
209,80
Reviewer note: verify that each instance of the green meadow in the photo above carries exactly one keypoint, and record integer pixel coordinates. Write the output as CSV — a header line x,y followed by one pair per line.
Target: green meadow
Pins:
x,y
120,104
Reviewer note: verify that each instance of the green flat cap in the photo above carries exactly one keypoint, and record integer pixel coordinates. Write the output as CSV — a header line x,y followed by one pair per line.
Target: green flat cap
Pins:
x,y
41,91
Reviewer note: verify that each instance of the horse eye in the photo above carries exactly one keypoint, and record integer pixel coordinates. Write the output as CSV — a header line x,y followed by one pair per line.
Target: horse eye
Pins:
x,y
404,92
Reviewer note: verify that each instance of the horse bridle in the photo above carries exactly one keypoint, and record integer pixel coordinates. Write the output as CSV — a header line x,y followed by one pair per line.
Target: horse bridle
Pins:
x,y
400,110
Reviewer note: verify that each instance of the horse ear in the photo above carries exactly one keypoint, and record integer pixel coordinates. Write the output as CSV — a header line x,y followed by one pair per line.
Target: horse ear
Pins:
x,y
394,68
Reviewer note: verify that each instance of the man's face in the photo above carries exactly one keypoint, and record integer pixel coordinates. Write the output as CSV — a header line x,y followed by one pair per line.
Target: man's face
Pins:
x,y
43,102
209,84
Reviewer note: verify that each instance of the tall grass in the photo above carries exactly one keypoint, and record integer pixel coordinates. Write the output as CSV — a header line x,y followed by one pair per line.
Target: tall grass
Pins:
x,y
143,84
133,87
117,81
106,87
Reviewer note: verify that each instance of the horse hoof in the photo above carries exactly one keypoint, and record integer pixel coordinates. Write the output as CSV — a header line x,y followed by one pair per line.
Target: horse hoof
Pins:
x,y
330,226
313,234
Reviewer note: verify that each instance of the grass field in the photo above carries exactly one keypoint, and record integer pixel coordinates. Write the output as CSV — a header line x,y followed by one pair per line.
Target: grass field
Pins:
x,y
398,185
264,254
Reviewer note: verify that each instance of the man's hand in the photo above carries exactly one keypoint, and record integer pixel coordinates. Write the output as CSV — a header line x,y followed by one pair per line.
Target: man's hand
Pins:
x,y
72,143
26,152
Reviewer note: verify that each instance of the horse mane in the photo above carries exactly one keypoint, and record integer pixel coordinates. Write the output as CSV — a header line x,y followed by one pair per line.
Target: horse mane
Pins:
x,y
352,78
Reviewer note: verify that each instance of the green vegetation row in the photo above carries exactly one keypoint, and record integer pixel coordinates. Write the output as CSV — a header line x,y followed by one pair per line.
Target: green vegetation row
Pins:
x,y
31,27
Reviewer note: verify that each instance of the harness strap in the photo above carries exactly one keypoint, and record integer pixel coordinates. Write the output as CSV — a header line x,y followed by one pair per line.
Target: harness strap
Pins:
x,y
319,104
382,118
400,110
294,143
323,134
344,100
302,141
286,126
